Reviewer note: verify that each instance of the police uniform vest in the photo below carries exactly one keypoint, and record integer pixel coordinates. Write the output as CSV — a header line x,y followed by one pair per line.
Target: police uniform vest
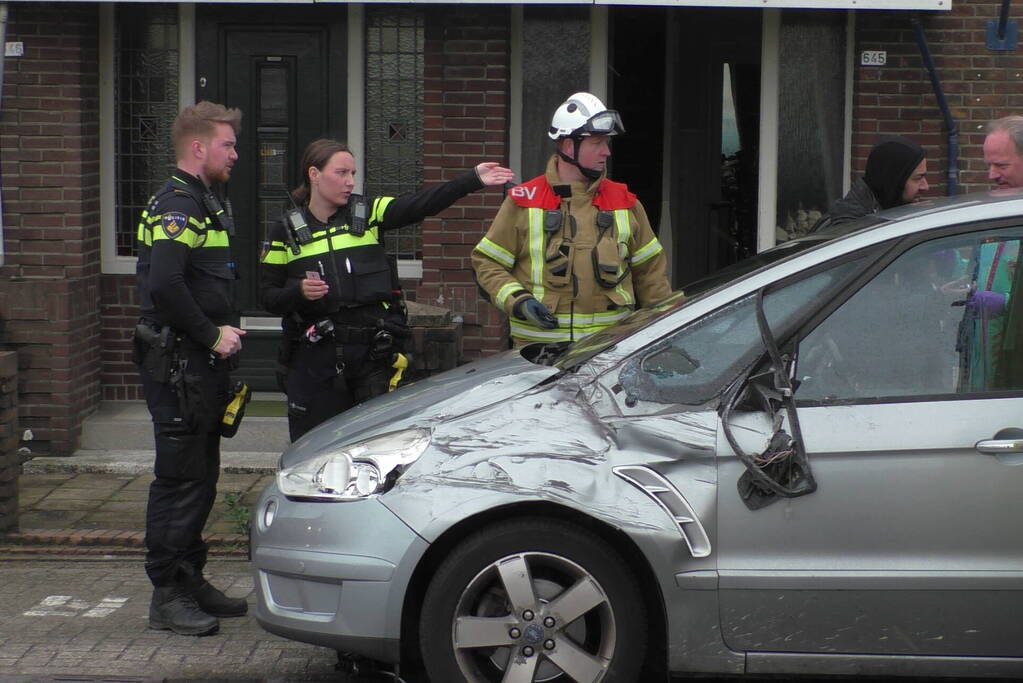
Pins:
x,y
186,212
348,255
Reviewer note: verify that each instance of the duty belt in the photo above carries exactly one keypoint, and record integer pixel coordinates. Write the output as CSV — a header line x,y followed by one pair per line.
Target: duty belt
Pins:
x,y
325,328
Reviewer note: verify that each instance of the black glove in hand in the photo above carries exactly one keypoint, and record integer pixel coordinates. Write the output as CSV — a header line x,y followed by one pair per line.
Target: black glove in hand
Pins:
x,y
532,310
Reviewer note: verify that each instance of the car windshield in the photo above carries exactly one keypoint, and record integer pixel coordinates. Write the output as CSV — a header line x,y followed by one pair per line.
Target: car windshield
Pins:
x,y
584,349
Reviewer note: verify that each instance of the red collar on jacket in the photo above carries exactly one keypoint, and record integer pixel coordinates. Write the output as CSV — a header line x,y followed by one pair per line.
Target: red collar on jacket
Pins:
x,y
537,193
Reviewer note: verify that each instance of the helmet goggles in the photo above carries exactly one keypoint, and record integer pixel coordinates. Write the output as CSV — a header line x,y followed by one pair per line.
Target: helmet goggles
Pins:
x,y
607,122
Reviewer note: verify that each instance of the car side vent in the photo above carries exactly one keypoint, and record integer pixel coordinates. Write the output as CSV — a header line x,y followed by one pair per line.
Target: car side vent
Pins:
x,y
671,501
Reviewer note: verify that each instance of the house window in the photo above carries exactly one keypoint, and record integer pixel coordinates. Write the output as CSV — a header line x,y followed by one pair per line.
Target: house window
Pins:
x,y
146,103
394,119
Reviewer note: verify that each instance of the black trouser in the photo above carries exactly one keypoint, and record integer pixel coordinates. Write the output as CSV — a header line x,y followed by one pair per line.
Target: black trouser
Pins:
x,y
316,392
187,468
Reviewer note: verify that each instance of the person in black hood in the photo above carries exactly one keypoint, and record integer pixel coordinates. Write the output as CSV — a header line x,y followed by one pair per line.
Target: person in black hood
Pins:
x,y
896,174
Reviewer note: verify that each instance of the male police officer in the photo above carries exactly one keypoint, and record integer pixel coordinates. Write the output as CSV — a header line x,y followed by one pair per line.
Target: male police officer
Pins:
x,y
571,252
183,343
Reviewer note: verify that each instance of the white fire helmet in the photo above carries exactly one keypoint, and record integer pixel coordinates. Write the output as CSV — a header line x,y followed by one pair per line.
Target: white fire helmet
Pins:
x,y
584,114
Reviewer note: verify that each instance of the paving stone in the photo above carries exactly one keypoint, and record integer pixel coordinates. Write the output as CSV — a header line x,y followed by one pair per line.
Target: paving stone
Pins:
x,y
62,493
48,479
30,496
121,642
134,495
142,481
97,480
49,519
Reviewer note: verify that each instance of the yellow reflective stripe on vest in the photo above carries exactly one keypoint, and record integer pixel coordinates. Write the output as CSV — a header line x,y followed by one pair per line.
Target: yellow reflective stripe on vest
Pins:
x,y
523,330
145,231
277,254
536,251
496,252
624,229
376,215
217,238
647,251
569,326
505,292
339,239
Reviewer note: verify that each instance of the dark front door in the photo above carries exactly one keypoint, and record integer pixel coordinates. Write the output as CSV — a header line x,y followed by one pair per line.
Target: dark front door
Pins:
x,y
284,70
687,83
715,124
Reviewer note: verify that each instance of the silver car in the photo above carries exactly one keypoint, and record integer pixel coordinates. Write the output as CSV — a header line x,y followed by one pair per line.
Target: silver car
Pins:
x,y
806,464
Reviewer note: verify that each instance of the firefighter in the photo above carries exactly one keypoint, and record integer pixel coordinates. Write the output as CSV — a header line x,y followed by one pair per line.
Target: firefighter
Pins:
x,y
571,252
183,345
325,271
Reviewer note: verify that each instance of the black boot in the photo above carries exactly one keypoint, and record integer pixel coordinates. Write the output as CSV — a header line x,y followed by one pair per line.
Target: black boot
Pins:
x,y
213,601
174,608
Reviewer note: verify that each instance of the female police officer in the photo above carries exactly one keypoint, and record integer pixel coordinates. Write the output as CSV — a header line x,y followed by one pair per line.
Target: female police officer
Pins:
x,y
325,271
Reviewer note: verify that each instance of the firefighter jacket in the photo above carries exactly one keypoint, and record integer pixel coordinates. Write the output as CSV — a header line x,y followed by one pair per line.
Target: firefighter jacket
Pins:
x,y
355,266
586,251
185,273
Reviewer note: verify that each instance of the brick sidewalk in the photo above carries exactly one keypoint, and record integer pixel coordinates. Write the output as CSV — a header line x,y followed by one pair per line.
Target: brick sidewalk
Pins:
x,y
104,513
86,619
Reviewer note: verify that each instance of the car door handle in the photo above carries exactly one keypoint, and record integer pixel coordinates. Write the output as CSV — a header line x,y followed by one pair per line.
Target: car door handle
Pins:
x,y
999,446
1007,443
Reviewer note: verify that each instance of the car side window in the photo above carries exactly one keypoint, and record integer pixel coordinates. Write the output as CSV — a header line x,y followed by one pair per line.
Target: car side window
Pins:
x,y
696,364
941,319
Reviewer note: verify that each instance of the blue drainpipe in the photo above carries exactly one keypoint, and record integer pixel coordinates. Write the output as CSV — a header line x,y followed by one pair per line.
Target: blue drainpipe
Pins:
x,y
950,125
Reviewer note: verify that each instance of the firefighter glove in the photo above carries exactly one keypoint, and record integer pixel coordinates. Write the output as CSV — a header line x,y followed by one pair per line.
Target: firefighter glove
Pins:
x,y
535,312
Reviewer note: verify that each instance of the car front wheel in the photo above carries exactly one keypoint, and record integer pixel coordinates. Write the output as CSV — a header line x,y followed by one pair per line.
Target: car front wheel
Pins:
x,y
533,600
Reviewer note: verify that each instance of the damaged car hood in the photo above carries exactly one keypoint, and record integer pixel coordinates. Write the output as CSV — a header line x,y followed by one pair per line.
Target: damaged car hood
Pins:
x,y
445,395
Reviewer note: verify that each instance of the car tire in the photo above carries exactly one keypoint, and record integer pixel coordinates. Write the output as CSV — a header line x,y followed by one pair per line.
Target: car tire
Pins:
x,y
471,630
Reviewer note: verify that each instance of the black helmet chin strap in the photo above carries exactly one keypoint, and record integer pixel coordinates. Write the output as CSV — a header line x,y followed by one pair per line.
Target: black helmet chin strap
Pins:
x,y
588,172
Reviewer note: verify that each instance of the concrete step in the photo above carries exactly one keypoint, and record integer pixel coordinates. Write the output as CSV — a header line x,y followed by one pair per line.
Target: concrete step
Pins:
x,y
125,426
135,462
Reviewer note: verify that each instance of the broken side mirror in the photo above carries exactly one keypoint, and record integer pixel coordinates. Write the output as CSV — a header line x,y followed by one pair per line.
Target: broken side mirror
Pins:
x,y
781,469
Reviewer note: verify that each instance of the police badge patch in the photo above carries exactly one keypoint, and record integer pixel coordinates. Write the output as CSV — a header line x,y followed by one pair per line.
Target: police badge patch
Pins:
x,y
173,223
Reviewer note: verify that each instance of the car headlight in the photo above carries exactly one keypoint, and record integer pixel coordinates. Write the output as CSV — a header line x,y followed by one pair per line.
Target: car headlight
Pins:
x,y
356,470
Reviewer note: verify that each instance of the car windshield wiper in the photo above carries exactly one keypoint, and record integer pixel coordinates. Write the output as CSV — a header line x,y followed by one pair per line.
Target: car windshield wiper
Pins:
x,y
782,469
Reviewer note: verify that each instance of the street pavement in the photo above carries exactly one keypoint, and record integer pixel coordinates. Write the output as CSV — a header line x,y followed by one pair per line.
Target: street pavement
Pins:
x,y
87,618
74,596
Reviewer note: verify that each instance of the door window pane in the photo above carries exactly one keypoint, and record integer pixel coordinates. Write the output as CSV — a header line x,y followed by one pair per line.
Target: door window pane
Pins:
x,y
934,322
395,50
145,105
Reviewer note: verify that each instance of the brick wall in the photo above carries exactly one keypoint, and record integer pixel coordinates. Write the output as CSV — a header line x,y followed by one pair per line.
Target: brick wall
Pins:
x,y
466,121
10,462
119,311
49,151
979,85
